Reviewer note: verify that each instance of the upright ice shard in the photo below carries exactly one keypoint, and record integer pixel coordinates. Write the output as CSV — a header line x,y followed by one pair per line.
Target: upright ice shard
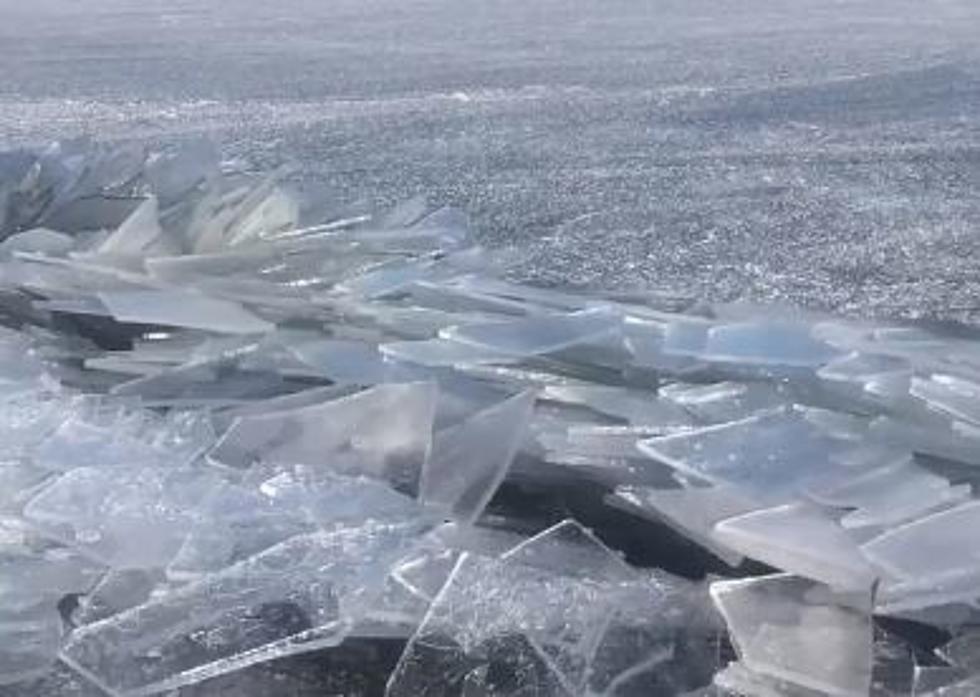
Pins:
x,y
469,460
384,432
795,630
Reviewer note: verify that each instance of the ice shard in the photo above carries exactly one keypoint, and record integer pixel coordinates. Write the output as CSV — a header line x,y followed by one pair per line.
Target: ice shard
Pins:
x,y
799,539
384,432
468,461
183,309
795,630
303,594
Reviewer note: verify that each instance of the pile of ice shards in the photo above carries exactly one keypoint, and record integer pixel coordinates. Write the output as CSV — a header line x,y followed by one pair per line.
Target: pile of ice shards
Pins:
x,y
240,424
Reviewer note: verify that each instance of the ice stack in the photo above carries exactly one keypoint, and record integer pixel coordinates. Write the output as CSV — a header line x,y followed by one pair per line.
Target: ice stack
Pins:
x,y
240,425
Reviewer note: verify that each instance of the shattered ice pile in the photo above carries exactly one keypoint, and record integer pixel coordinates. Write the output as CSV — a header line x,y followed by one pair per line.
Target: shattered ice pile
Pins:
x,y
239,425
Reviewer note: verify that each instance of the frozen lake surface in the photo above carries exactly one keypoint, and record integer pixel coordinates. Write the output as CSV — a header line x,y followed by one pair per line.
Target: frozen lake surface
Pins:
x,y
817,153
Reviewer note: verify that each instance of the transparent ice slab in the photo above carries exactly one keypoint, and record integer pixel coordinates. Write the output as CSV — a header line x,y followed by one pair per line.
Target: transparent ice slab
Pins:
x,y
935,545
891,494
468,461
693,512
802,540
384,432
799,631
126,518
767,455
240,520
180,308
538,335
303,594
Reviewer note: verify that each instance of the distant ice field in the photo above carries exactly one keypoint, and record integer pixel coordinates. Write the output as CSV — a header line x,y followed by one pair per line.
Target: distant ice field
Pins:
x,y
824,154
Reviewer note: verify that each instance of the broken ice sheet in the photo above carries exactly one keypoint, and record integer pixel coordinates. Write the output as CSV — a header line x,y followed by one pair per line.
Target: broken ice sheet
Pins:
x,y
303,594
767,343
444,352
724,401
951,395
739,680
541,334
800,539
637,407
123,517
768,455
799,631
468,461
506,628
693,512
239,520
933,546
384,432
890,494
344,361
181,308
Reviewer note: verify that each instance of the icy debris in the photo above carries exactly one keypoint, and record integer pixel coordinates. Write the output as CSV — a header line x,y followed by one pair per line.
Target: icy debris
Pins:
x,y
239,425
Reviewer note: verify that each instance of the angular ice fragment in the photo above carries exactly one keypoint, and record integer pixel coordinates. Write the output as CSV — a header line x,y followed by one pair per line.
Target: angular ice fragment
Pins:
x,y
693,512
238,521
768,455
469,460
636,407
543,334
383,432
768,343
124,517
948,394
938,544
570,549
890,494
799,539
139,235
724,401
355,362
180,308
500,627
444,352
303,594
792,629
